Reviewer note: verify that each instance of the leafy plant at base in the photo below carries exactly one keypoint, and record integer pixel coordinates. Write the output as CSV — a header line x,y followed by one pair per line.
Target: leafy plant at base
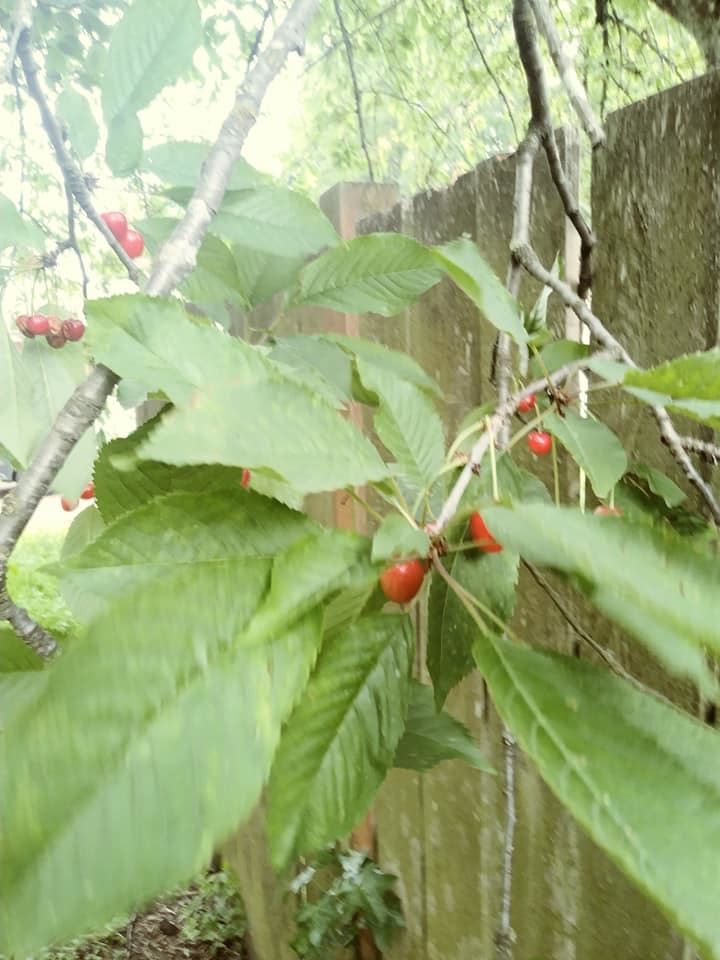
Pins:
x,y
214,915
359,897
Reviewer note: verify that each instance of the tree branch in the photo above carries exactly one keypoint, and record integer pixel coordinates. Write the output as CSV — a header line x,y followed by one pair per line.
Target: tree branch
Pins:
x,y
174,261
566,71
529,259
709,452
356,89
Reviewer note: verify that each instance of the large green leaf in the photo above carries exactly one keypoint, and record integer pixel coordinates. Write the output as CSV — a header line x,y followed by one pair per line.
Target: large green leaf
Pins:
x,y
15,231
489,577
173,531
689,384
407,423
319,363
382,273
18,690
463,262
154,341
262,274
178,163
274,220
151,47
432,736
18,424
592,445
76,113
397,538
400,365
555,355
161,723
640,776
214,284
661,589
124,147
341,737
277,425
16,656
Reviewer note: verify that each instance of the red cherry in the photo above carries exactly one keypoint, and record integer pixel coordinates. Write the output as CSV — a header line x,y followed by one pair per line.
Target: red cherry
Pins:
x,y
88,491
56,340
481,536
69,504
401,582
73,329
539,442
133,243
527,403
116,223
245,479
38,325
605,511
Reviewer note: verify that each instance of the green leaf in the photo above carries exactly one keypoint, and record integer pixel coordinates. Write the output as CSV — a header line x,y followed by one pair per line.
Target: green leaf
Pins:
x,y
489,577
150,543
393,362
16,656
18,425
261,274
592,445
432,736
15,230
76,113
514,485
651,582
84,530
382,273
689,384
274,220
151,47
464,264
555,355
659,483
285,429
341,738
153,340
397,538
407,423
123,151
179,164
174,726
640,776
324,366
214,283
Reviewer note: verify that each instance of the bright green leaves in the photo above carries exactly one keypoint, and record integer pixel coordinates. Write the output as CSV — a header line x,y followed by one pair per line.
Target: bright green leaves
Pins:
x,y
464,264
592,445
178,163
15,230
123,150
341,738
275,221
641,777
151,47
652,583
490,578
34,386
382,273
282,428
407,423
689,384
397,538
433,736
76,113
169,710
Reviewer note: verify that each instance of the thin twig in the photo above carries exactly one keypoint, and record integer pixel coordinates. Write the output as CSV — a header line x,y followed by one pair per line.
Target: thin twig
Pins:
x,y
254,49
174,261
488,68
530,260
72,174
566,71
356,89
72,239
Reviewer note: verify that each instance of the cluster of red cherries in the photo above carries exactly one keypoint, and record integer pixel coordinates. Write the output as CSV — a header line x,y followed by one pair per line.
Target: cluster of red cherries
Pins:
x,y
130,240
401,582
71,503
57,332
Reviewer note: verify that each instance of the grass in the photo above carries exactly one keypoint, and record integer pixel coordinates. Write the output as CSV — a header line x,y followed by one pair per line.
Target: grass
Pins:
x,y
38,591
